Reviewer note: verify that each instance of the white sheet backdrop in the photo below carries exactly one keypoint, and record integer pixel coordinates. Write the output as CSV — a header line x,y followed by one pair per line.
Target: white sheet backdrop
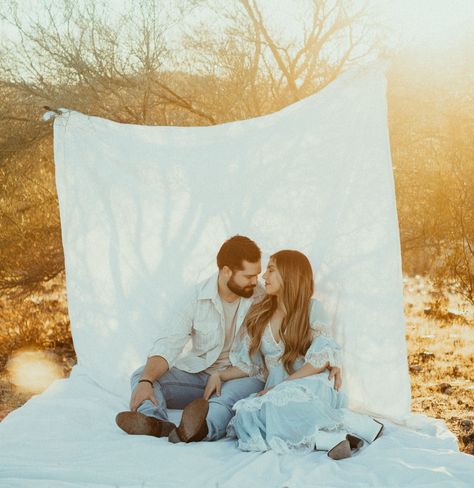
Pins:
x,y
144,210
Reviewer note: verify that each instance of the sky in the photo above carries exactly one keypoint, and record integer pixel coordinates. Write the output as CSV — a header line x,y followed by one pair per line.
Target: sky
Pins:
x,y
423,24
429,22
419,20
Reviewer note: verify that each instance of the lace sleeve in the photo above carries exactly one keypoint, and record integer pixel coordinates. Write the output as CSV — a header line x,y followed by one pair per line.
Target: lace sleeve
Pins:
x,y
240,358
323,349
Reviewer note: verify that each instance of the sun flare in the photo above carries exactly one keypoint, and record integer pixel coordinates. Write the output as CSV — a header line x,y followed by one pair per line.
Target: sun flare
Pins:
x,y
429,22
33,371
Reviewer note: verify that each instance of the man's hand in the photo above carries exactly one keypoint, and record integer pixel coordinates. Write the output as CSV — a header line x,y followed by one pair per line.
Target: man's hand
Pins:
x,y
143,391
214,384
336,374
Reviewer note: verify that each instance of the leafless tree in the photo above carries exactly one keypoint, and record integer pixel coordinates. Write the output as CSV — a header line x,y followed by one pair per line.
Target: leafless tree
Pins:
x,y
432,138
186,62
268,65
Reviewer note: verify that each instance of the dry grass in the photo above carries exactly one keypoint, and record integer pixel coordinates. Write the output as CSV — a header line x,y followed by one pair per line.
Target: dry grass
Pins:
x,y
440,336
39,322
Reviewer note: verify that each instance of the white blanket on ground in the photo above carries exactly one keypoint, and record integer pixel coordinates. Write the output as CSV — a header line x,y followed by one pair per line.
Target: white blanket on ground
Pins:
x,y
143,212
67,438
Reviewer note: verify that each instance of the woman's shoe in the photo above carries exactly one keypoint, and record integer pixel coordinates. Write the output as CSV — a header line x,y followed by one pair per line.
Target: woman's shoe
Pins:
x,y
362,426
380,431
354,441
341,451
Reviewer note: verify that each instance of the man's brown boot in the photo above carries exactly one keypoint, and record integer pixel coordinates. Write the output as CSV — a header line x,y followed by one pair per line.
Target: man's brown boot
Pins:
x,y
193,426
135,423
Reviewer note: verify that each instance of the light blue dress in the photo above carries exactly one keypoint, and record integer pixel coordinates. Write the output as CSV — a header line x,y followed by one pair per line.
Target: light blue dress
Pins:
x,y
302,414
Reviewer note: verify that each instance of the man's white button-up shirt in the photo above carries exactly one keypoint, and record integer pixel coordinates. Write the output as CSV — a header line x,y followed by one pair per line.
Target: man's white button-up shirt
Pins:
x,y
198,317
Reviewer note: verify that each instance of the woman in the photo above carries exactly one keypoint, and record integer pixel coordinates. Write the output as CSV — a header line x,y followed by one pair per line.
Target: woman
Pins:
x,y
282,342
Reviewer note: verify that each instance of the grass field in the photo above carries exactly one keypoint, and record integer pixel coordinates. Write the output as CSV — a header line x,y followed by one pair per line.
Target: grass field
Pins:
x,y
35,347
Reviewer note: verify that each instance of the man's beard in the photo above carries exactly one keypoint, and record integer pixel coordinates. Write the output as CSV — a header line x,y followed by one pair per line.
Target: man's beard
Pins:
x,y
245,292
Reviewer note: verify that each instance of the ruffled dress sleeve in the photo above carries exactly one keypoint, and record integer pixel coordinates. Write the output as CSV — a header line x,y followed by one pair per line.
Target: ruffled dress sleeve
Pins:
x,y
323,349
240,358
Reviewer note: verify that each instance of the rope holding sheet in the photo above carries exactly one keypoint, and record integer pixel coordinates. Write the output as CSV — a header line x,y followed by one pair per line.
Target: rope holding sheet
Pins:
x,y
51,113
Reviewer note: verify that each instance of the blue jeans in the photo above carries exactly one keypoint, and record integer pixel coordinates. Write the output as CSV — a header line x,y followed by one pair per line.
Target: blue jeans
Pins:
x,y
176,388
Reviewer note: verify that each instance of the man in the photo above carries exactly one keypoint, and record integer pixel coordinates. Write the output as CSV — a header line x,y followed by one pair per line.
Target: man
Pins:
x,y
211,316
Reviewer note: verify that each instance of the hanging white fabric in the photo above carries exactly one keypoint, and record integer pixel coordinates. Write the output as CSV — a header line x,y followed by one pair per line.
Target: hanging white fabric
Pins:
x,y
145,209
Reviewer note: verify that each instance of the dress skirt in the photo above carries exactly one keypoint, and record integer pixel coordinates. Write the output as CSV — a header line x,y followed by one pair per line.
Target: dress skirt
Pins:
x,y
293,415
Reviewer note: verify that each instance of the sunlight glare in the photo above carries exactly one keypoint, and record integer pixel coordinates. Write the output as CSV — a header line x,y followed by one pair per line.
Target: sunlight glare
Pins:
x,y
429,22
33,371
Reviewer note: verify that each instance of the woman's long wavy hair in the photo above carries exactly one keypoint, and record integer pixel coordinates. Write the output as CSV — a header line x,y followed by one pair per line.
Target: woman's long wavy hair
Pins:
x,y
295,294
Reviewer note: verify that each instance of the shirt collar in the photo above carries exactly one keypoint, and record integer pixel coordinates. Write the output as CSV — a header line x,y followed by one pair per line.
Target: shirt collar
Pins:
x,y
208,290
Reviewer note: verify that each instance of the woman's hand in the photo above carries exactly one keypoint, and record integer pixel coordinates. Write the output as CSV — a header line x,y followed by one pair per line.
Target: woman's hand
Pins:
x,y
214,384
263,392
335,372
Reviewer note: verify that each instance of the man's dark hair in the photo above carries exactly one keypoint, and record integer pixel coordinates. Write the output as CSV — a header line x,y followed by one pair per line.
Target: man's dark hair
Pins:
x,y
235,250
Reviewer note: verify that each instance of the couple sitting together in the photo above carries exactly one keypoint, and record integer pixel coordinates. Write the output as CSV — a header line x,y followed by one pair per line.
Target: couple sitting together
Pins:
x,y
263,367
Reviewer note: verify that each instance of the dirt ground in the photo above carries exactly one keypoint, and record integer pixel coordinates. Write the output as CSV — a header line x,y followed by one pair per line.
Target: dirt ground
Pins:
x,y
439,332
